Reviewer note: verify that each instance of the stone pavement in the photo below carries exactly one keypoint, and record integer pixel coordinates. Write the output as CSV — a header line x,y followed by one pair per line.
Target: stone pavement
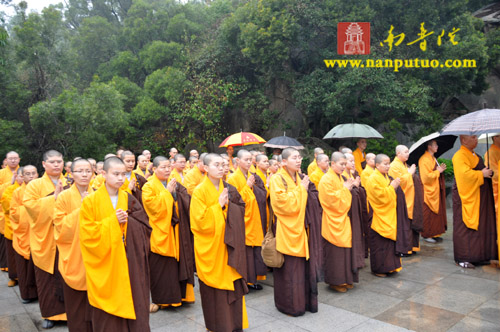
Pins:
x,y
431,293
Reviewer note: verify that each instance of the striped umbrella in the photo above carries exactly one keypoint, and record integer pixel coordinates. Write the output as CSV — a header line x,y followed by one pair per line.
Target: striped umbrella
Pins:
x,y
242,138
485,121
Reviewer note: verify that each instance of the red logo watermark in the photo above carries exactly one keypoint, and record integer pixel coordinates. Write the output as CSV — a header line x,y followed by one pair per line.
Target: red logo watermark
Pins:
x,y
353,38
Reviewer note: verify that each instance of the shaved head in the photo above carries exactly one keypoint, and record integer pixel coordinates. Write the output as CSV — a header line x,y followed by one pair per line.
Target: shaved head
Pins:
x,y
260,157
157,160
318,151
370,156
321,157
50,154
141,157
126,153
78,162
401,148
112,161
337,156
242,153
179,156
287,152
346,150
202,157
349,156
380,158
209,158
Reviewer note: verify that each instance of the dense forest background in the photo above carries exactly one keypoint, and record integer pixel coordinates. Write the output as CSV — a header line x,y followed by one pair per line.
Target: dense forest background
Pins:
x,y
88,76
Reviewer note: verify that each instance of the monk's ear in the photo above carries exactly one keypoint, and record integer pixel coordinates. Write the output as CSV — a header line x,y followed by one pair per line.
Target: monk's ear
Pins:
x,y
205,167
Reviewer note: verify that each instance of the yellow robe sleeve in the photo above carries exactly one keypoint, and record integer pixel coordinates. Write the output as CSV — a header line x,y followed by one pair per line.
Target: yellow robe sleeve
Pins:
x,y
468,183
104,256
430,181
312,167
382,198
159,204
316,176
492,156
6,198
399,170
336,200
358,159
253,224
289,205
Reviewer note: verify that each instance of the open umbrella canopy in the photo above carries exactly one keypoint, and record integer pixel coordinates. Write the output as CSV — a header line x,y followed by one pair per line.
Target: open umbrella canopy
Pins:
x,y
352,130
283,142
242,138
482,138
444,142
476,123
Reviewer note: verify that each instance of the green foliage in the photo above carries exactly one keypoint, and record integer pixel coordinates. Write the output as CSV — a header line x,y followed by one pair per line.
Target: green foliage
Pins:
x,y
386,145
448,172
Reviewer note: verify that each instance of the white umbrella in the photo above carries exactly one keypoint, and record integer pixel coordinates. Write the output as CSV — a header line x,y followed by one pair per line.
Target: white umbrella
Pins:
x,y
482,138
352,130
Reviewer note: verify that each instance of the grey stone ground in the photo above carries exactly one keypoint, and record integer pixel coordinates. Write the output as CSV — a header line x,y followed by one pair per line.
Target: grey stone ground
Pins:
x,y
430,294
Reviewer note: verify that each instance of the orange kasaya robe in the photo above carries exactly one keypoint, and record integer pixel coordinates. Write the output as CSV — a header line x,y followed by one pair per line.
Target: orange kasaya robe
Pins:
x,y
336,201
359,157
289,206
208,225
494,156
366,174
97,182
430,181
39,203
139,171
262,177
468,182
312,167
316,176
382,198
400,170
5,180
5,201
253,223
193,178
20,223
102,243
67,236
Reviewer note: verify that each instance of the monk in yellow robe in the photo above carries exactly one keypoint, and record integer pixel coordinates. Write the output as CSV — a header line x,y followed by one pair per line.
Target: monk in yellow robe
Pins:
x,y
67,237
114,240
179,165
360,155
370,167
367,220
491,158
5,202
399,169
160,202
434,207
289,195
273,167
262,167
474,219
322,165
219,273
336,198
39,200
244,181
7,177
381,193
98,180
19,220
195,176
134,182
230,151
313,165
142,166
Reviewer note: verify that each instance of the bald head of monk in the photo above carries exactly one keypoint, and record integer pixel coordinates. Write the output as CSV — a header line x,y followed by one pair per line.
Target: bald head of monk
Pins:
x,y
193,160
13,160
128,158
194,153
351,164
200,163
245,160
114,174
262,162
402,153
361,143
162,168
291,159
143,162
147,154
468,141
173,152
82,173
273,166
323,162
29,173
382,163
346,150
338,162
179,162
98,167
318,151
53,163
214,166
109,155
370,159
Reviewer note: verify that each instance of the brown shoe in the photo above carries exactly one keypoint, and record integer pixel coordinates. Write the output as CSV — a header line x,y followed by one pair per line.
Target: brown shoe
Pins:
x,y
349,286
12,283
340,289
153,307
380,275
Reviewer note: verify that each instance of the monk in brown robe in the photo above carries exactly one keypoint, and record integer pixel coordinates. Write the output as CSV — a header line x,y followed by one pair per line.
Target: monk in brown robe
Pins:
x,y
322,165
142,166
434,207
7,177
160,198
217,222
474,220
114,239
66,234
293,287
367,211
39,200
381,193
133,182
244,182
20,223
336,230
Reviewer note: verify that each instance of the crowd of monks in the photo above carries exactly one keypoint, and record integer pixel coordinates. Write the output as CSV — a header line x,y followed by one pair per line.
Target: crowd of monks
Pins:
x,y
102,245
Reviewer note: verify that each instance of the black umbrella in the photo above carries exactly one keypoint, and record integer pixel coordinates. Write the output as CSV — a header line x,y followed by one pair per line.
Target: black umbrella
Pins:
x,y
445,143
283,142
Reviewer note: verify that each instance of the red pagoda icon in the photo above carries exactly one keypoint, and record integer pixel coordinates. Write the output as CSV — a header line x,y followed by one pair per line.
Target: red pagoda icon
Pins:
x,y
353,38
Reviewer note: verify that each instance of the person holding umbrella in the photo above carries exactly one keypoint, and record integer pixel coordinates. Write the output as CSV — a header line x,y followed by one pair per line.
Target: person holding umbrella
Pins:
x,y
474,223
360,155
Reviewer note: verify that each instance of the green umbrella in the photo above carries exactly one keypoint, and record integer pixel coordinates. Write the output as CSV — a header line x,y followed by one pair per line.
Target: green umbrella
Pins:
x,y
352,130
